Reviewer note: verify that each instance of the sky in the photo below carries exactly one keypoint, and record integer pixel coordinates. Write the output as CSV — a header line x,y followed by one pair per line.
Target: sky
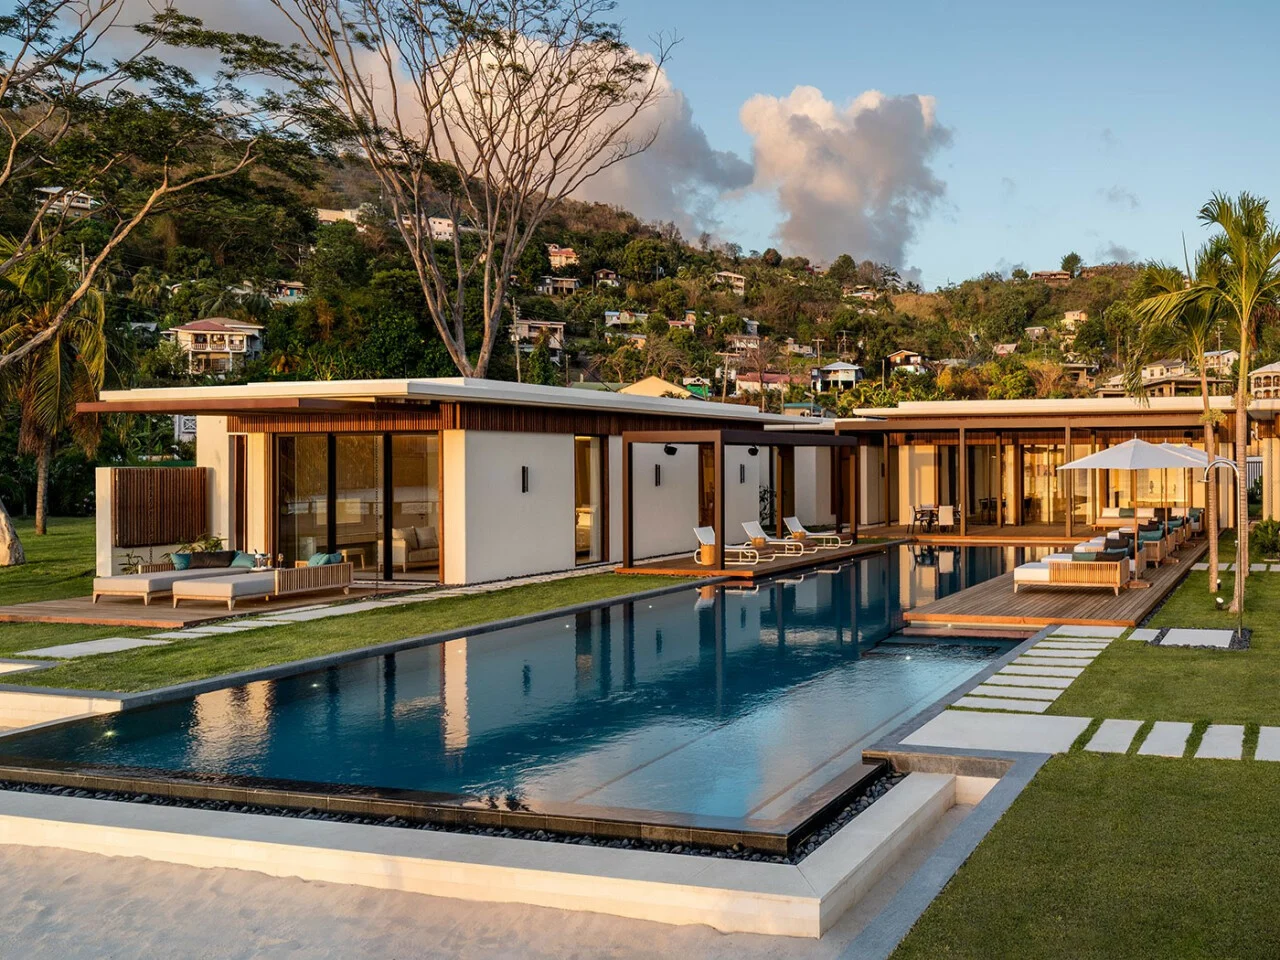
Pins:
x,y
1094,127
945,138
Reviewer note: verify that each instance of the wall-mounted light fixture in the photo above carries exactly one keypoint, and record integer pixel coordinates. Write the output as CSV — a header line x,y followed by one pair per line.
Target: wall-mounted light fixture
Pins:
x,y
524,479
742,473
669,449
752,451
657,474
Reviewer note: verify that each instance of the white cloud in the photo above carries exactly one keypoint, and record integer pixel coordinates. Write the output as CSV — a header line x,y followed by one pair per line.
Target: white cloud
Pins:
x,y
1116,253
1118,196
851,180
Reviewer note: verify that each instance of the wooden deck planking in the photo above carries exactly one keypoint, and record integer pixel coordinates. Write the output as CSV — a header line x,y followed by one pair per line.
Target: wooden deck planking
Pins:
x,y
160,614
685,567
1041,607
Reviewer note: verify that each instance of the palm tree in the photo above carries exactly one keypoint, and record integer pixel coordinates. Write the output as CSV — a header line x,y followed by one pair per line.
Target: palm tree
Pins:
x,y
1242,279
69,368
1188,330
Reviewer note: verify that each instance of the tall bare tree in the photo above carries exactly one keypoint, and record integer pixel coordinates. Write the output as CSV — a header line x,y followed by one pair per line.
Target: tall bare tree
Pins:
x,y
486,113
122,140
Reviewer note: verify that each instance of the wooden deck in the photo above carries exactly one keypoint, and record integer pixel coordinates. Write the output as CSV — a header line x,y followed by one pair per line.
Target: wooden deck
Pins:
x,y
1027,535
684,566
160,614
1034,607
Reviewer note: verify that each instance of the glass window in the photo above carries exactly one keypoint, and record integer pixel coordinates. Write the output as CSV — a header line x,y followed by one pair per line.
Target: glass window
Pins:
x,y
588,523
357,502
415,505
302,501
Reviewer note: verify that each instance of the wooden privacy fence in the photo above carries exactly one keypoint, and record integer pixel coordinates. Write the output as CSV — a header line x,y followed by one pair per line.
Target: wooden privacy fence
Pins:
x,y
158,505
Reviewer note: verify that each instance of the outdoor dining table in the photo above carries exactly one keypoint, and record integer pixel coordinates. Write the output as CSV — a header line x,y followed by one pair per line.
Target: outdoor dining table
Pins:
x,y
926,515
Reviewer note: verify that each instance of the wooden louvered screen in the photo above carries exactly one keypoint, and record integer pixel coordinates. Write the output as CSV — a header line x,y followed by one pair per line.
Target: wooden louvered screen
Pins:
x,y
158,505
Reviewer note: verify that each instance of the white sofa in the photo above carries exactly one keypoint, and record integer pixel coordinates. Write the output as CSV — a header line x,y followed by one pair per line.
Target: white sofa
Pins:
x,y
413,547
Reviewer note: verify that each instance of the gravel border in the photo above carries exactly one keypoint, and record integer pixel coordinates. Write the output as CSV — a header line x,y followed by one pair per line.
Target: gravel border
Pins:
x,y
850,811
1240,640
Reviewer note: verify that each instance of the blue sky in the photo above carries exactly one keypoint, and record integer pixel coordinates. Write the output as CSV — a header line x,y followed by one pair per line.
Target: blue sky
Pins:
x,y
1098,127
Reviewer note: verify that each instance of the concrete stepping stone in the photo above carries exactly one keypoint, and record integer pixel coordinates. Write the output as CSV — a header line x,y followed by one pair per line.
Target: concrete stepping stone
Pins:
x,y
1087,631
1222,741
971,730
1096,645
216,629
1114,736
1058,652
1257,568
1042,670
1183,637
1200,566
1144,634
1275,568
1013,706
175,635
1166,739
89,648
1268,744
1005,680
1015,693
1026,661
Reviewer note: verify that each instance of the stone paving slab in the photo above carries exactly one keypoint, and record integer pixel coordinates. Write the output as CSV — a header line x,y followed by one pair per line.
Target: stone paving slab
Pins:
x,y
89,648
1144,634
174,635
1268,744
1200,566
1166,739
1182,637
1222,741
1012,706
1114,736
1275,568
1029,661
216,629
1042,670
1257,568
1104,632
1065,644
968,730
1070,654
1004,680
1015,693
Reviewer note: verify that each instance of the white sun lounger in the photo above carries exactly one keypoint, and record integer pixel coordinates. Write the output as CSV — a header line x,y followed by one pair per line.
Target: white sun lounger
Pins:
x,y
741,553
755,533
158,581
265,584
828,540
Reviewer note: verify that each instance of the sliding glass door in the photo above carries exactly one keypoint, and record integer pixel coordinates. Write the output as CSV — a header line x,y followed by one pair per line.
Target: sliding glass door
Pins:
x,y
302,471
588,499
358,517
415,506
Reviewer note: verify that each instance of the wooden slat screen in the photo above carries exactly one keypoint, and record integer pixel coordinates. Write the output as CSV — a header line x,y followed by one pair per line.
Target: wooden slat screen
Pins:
x,y
158,505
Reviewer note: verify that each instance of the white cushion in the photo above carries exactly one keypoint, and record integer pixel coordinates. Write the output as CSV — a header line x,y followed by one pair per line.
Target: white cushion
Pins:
x,y
1089,546
159,582
255,584
426,537
1037,572
1110,512
1058,558
1145,513
408,534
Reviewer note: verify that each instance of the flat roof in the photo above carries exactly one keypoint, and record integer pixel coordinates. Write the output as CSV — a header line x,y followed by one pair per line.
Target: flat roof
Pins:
x,y
316,394
1072,406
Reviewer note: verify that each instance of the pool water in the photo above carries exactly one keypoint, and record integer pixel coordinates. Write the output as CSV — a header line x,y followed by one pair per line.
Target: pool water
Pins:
x,y
715,702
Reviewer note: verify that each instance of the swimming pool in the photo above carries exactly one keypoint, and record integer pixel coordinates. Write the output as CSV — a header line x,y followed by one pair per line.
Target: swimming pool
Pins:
x,y
717,709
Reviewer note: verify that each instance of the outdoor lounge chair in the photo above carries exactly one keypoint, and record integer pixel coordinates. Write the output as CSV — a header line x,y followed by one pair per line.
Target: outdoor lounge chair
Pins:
x,y
827,540
1108,569
154,580
266,584
705,554
758,538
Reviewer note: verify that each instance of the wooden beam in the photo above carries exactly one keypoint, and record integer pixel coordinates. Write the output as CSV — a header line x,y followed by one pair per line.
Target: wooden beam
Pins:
x,y
999,480
1071,482
628,559
888,513
855,470
718,503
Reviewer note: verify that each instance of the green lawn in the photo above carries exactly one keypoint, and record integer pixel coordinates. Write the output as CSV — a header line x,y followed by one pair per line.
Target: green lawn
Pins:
x,y
201,657
1141,682
1120,857
59,564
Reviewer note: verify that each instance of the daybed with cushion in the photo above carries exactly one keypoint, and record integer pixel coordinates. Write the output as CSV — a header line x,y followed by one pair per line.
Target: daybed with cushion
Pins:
x,y
1084,569
265,584
158,579
413,547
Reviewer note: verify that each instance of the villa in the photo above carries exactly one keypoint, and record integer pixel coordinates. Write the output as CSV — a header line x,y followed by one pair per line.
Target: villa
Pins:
x,y
217,344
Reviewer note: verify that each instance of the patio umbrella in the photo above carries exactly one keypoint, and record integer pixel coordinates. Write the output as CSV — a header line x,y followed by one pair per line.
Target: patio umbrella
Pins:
x,y
1134,454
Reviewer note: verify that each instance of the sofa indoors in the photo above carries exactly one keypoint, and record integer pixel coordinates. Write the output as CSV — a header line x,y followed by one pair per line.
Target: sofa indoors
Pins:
x,y
413,547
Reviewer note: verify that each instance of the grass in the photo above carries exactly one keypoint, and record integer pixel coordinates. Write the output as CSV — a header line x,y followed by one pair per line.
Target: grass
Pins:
x,y
1112,856
201,657
59,564
1141,682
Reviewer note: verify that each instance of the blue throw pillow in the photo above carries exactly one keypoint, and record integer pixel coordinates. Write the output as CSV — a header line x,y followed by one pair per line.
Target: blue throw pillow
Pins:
x,y
317,560
243,559
181,561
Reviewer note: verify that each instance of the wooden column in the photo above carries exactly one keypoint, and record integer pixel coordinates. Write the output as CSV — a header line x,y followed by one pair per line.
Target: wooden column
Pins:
x,y
964,484
1015,495
855,483
1071,482
718,501
999,480
627,517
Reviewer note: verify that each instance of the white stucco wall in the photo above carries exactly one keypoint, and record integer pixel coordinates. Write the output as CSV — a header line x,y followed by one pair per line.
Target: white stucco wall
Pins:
x,y
741,491
259,512
916,469
492,530
664,516
213,451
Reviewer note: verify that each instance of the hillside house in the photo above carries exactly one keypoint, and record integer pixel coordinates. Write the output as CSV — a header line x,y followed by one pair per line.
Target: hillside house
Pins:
x,y
908,361
217,345
735,281
838,376
605,277
623,318
1054,278
561,257
1036,334
557,286
528,333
